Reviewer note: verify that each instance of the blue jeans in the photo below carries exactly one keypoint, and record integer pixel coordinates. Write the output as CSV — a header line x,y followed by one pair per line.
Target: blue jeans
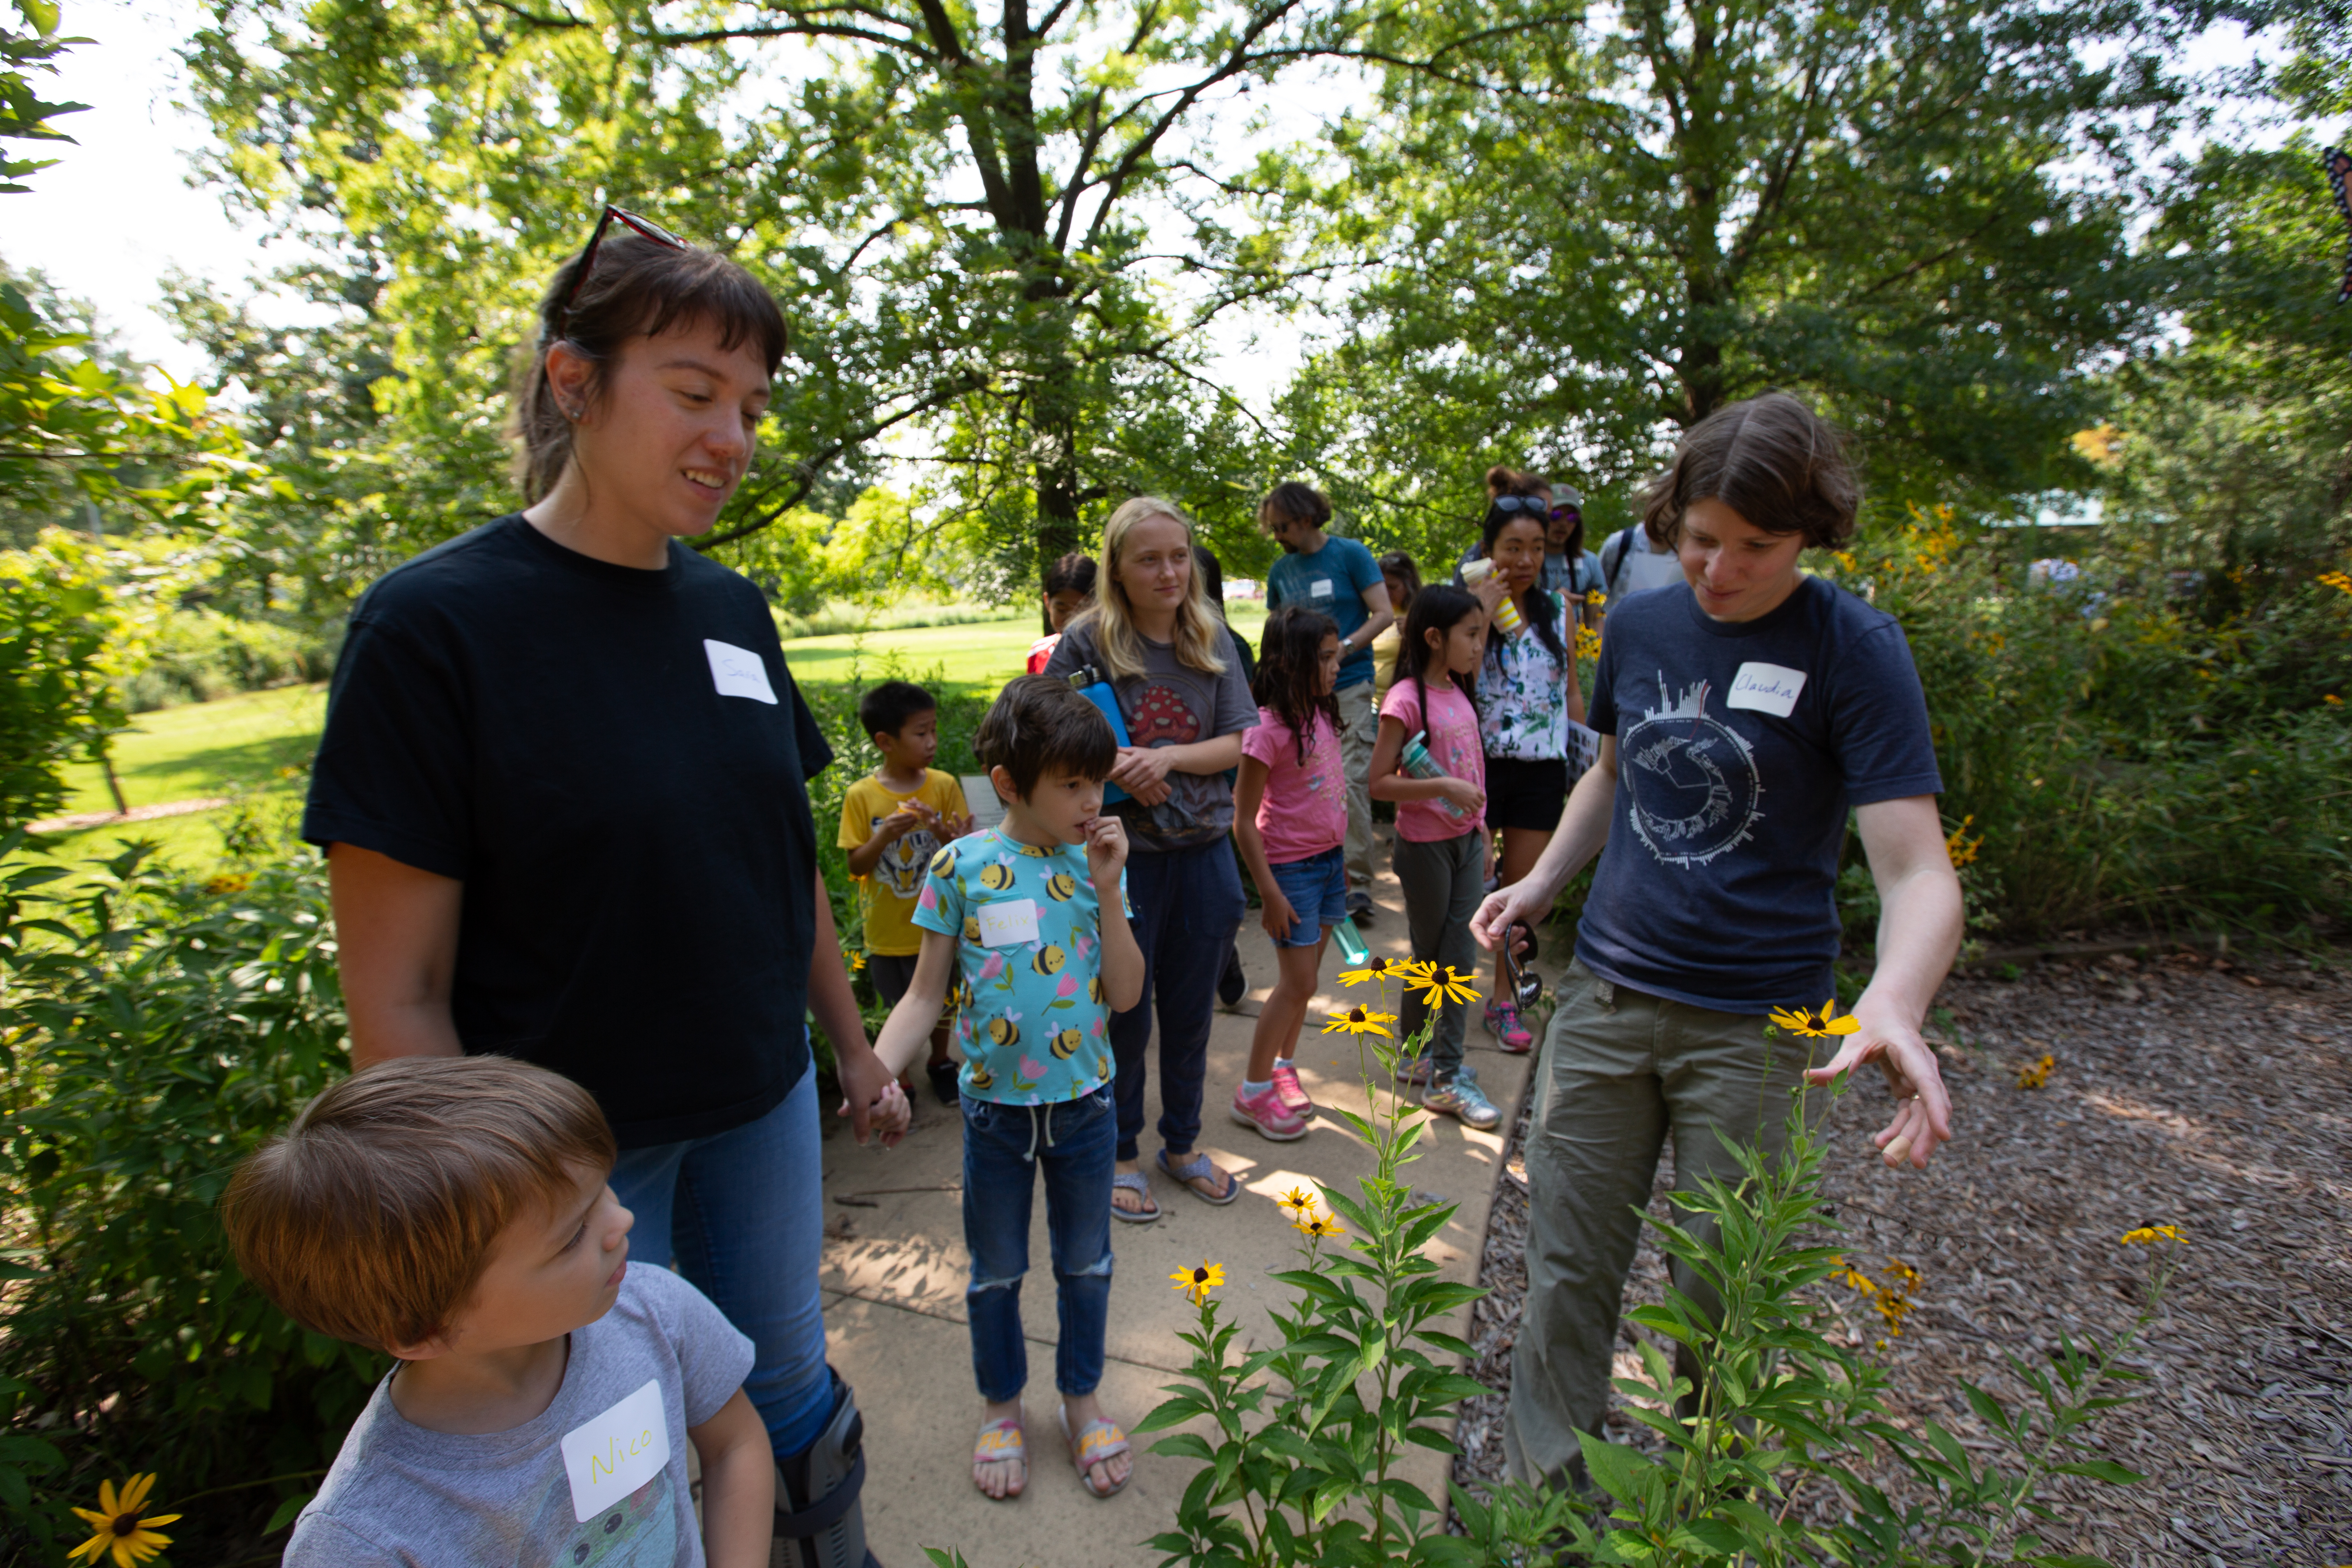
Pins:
x,y
1187,905
1316,888
739,1212
1004,1147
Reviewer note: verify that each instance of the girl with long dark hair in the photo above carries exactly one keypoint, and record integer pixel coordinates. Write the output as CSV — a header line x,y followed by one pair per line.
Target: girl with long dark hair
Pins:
x,y
1527,693
1290,824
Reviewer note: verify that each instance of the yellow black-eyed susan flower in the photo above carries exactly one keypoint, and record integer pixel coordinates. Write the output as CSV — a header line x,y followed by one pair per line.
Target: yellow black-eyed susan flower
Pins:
x,y
1196,1283
1815,1022
1381,970
2149,1234
1437,989
1359,1021
1960,847
1298,1197
2037,1075
120,1529
1319,1227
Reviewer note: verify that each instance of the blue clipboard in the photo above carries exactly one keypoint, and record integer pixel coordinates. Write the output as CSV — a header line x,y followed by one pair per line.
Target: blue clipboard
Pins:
x,y
1101,694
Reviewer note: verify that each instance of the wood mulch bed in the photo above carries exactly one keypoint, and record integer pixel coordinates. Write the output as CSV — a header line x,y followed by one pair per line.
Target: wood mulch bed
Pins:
x,y
2214,1094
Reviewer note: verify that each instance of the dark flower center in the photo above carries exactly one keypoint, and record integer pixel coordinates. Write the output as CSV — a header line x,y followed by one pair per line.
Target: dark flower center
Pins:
x,y
1355,1015
1199,1276
125,1524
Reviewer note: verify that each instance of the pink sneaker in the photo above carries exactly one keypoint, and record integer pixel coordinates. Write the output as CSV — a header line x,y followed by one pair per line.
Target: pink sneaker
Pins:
x,y
1503,1023
1295,1098
1268,1115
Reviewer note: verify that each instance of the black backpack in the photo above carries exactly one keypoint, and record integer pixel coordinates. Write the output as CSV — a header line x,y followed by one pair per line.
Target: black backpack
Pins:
x,y
1613,555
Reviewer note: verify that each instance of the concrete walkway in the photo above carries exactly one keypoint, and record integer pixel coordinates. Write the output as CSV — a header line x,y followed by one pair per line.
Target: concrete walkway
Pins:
x,y
895,1269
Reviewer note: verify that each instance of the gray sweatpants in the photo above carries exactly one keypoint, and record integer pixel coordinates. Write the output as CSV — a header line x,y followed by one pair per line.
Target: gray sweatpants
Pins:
x,y
1622,1072
1362,721
1443,882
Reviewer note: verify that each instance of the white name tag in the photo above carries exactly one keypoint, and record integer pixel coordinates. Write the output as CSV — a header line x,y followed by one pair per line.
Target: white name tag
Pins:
x,y
1009,921
1319,589
738,672
614,1455
1767,688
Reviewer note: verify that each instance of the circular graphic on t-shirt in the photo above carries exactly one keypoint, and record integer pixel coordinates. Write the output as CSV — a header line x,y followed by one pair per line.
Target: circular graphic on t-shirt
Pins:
x,y
1692,780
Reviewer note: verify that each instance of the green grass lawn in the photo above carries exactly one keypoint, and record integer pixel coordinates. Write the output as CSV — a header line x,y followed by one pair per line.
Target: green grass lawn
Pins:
x,y
253,746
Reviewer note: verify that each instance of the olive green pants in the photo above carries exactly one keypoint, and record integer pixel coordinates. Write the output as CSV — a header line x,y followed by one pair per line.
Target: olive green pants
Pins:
x,y
1621,1072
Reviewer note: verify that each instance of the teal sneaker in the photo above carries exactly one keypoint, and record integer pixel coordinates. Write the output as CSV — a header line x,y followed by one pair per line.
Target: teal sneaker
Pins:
x,y
1462,1099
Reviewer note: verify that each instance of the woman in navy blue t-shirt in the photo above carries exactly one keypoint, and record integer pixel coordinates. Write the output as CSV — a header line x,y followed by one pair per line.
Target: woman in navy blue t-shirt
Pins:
x,y
1741,717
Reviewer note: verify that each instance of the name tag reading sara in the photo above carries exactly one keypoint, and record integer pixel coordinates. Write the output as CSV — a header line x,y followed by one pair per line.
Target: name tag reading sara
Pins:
x,y
1767,688
738,672
614,1455
1008,922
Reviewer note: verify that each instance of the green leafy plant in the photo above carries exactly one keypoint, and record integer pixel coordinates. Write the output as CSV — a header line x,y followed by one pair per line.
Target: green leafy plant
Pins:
x,y
1766,1456
152,1031
1301,1461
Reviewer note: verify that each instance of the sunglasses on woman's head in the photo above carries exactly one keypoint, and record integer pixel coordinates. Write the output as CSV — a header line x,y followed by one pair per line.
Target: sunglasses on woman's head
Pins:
x,y
1518,503
645,228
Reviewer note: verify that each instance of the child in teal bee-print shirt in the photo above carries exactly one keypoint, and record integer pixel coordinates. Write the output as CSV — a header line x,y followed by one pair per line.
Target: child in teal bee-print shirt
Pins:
x,y
1033,1027
1028,923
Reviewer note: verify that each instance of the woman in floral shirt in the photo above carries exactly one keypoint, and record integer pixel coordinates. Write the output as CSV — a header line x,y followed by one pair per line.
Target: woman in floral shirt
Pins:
x,y
1527,695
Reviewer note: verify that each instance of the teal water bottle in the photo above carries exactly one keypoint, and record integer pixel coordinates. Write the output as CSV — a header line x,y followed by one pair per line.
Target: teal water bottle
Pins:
x,y
1421,765
1352,941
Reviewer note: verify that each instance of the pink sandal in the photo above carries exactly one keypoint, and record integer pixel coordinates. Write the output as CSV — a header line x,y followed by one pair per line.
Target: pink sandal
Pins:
x,y
1096,1441
1001,1441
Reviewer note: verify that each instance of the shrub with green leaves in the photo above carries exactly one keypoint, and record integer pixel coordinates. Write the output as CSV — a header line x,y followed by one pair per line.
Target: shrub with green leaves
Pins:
x,y
151,1032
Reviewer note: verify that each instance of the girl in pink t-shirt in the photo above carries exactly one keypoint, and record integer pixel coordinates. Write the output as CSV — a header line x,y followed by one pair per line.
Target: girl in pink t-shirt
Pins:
x,y
1290,821
1441,848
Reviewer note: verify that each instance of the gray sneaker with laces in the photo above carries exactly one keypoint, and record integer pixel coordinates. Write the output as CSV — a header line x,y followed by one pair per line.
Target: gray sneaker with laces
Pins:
x,y
1462,1099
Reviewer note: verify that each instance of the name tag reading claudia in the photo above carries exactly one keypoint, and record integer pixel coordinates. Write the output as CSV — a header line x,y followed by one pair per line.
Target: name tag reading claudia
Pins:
x,y
1007,922
738,672
1767,688
614,1455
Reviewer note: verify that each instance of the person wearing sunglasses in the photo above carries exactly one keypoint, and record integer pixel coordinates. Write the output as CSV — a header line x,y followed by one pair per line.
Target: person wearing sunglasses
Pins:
x,y
563,796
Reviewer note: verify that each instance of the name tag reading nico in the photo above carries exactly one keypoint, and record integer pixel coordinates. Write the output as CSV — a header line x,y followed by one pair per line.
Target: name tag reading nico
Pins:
x,y
1767,688
1008,922
614,1455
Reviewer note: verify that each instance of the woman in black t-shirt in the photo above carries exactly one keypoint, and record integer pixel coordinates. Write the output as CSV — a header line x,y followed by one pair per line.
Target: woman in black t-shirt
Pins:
x,y
562,790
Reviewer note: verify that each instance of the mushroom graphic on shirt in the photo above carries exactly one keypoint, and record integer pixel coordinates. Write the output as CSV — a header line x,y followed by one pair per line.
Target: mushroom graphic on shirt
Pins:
x,y
1161,716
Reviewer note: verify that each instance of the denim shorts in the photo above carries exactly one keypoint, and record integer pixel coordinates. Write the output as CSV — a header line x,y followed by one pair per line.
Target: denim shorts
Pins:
x,y
1317,887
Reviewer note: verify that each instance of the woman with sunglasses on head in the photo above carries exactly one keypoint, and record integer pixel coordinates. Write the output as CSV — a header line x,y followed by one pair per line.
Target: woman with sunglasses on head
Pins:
x,y
1527,697
563,793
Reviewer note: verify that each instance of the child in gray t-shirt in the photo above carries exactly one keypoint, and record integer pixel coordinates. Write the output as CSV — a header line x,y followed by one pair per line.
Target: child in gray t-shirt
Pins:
x,y
454,1212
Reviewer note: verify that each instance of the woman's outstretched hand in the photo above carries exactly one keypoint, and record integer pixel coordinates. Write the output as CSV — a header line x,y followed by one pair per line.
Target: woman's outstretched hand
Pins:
x,y
1923,1111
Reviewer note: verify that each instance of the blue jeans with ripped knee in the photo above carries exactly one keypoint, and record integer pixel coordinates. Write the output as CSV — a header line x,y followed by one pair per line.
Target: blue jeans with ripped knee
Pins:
x,y
1005,1147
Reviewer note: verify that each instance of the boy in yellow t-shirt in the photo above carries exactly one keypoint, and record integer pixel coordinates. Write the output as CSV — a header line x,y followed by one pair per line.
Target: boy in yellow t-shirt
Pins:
x,y
892,823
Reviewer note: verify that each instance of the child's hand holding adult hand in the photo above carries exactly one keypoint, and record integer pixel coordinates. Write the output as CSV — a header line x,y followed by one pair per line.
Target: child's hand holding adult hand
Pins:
x,y
1105,852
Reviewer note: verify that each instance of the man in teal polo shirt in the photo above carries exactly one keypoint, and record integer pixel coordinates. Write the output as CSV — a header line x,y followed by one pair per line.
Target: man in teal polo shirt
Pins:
x,y
1339,577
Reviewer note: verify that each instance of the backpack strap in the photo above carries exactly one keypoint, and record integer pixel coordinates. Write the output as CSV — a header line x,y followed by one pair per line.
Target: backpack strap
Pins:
x,y
1613,555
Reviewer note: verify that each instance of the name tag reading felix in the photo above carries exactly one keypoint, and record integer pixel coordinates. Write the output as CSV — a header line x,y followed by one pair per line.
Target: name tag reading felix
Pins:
x,y
614,1455
1767,688
1006,923
738,672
